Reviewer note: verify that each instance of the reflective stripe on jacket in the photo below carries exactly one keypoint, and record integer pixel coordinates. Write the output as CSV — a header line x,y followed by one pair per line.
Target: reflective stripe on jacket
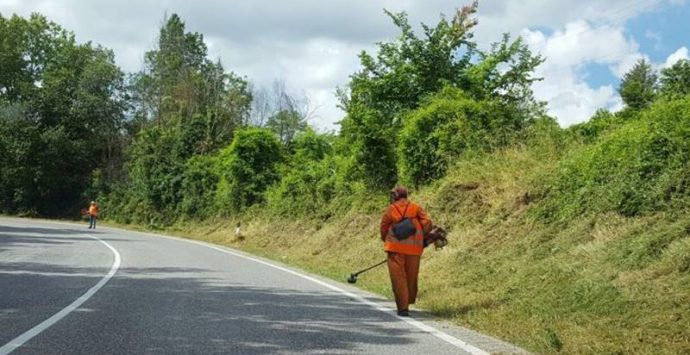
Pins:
x,y
413,245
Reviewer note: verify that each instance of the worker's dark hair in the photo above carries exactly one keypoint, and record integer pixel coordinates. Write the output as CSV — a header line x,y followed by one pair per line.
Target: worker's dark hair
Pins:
x,y
398,193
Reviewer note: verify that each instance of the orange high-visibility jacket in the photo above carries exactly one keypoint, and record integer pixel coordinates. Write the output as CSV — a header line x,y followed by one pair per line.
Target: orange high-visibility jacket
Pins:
x,y
413,245
93,210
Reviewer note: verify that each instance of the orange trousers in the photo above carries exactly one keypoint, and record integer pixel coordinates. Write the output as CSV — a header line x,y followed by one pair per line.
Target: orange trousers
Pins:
x,y
404,270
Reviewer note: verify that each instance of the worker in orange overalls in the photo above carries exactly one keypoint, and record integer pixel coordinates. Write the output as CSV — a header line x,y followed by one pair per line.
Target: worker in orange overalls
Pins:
x,y
403,226
93,214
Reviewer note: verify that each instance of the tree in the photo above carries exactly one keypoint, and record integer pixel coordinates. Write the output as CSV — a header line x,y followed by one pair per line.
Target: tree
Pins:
x,y
505,73
181,86
186,108
638,88
286,124
404,72
392,83
61,115
283,112
248,167
675,80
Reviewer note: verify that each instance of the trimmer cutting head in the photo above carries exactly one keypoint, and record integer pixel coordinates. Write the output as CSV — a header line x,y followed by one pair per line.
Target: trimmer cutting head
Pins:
x,y
352,279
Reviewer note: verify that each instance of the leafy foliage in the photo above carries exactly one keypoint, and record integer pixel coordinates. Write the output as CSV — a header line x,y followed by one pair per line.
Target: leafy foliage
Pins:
x,y
180,84
317,180
404,72
198,188
157,159
602,122
61,114
448,125
286,124
248,167
185,108
183,111
638,168
675,80
638,88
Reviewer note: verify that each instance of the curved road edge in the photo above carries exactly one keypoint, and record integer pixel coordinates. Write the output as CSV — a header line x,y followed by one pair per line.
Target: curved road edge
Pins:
x,y
38,329
464,339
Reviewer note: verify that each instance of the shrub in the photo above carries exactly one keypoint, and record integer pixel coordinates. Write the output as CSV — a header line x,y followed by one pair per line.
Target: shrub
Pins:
x,y
156,170
311,146
602,122
445,127
199,186
318,180
640,167
247,168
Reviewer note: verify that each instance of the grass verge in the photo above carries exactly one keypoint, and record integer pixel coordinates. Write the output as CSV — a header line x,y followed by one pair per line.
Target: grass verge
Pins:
x,y
593,284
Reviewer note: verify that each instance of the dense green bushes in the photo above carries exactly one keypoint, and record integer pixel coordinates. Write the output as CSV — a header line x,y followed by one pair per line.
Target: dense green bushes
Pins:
x,y
61,112
405,72
417,107
321,189
640,167
248,167
199,184
602,122
175,140
306,183
447,125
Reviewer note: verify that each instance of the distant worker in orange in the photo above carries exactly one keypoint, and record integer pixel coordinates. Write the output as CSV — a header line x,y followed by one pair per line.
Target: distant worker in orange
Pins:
x,y
403,226
93,214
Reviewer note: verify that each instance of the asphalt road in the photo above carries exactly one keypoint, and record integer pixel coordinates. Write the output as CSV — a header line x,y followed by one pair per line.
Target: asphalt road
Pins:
x,y
111,291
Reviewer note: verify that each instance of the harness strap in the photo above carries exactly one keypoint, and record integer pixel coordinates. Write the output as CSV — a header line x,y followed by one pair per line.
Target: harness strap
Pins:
x,y
402,215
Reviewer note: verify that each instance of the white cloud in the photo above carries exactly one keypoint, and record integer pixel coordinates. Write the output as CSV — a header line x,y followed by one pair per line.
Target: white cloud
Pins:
x,y
509,16
313,44
680,54
570,99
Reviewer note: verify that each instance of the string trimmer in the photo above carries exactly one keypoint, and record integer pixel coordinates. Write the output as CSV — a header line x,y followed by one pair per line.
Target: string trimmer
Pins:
x,y
353,277
437,236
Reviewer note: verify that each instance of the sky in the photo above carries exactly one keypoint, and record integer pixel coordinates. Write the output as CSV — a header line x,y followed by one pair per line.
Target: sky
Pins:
x,y
312,45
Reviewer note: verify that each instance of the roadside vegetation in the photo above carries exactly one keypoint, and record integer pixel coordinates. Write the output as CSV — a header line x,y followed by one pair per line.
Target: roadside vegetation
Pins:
x,y
570,240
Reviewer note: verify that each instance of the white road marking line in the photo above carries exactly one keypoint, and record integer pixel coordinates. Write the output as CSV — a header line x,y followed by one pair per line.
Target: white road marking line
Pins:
x,y
20,340
417,324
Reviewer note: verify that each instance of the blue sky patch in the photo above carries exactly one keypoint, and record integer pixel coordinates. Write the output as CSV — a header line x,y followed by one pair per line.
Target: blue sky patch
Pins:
x,y
547,31
597,75
662,32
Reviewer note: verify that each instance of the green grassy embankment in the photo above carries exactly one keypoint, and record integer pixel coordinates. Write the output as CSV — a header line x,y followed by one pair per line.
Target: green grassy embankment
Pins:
x,y
593,284
575,248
